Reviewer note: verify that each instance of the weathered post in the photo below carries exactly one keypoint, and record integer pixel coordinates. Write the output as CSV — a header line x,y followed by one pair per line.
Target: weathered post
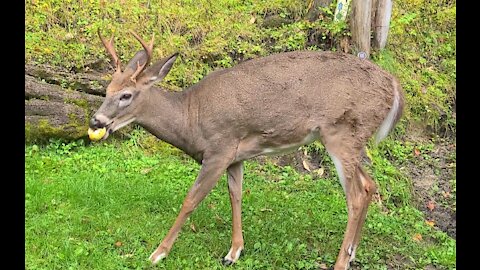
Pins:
x,y
360,24
383,12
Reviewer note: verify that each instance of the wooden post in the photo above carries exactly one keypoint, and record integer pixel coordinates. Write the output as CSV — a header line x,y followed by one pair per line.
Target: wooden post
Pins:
x,y
383,12
360,24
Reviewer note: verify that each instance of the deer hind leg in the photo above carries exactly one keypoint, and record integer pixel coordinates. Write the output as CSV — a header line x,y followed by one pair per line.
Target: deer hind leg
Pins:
x,y
235,179
369,188
359,189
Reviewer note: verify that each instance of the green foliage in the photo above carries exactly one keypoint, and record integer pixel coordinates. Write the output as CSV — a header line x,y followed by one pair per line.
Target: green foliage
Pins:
x,y
208,36
421,51
107,205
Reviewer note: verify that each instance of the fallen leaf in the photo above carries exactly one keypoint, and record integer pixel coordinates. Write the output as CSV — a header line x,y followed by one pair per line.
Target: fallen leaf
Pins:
x,y
252,20
320,171
146,170
431,205
322,265
430,223
219,219
118,244
192,226
417,237
446,194
127,255
306,165
417,152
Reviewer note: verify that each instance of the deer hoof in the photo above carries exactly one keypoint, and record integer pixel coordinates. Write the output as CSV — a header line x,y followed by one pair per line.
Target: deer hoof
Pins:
x,y
157,256
232,257
227,262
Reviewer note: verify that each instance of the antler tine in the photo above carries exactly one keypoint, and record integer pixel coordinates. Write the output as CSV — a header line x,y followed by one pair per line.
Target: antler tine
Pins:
x,y
111,50
148,49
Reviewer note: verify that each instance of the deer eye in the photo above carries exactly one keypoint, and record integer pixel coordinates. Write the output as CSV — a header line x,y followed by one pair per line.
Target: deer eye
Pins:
x,y
125,96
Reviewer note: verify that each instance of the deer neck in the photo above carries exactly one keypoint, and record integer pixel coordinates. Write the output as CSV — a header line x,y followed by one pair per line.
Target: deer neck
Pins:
x,y
163,114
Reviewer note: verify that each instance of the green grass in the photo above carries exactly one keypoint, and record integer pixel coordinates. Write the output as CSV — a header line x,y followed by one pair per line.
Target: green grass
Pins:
x,y
108,205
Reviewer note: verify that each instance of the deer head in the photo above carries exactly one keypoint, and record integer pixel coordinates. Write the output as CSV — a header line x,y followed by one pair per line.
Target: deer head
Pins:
x,y
128,87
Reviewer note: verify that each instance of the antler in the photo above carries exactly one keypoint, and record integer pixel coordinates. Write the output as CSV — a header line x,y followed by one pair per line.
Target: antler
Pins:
x,y
111,50
148,49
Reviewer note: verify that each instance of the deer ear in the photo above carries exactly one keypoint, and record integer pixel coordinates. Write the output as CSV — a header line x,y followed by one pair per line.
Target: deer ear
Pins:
x,y
159,70
138,59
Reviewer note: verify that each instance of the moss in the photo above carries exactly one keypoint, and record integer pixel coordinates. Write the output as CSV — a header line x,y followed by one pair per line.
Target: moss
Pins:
x,y
80,102
43,131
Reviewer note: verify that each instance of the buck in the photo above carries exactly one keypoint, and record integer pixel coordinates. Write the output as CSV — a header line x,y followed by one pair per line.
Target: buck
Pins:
x,y
264,106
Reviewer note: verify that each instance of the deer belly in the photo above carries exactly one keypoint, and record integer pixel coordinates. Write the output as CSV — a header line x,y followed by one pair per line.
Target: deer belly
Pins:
x,y
253,147
287,148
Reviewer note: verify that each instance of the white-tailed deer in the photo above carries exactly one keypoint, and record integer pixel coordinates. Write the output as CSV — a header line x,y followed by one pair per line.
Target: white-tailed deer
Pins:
x,y
267,105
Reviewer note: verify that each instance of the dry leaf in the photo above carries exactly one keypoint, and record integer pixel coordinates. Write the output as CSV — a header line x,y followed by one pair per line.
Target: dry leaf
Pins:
x,y
146,170
446,194
306,165
430,223
344,44
219,219
417,237
192,226
118,244
417,152
320,171
127,255
323,266
252,20
431,205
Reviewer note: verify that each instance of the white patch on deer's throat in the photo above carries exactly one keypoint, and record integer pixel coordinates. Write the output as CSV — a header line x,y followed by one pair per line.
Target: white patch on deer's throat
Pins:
x,y
286,148
339,167
119,126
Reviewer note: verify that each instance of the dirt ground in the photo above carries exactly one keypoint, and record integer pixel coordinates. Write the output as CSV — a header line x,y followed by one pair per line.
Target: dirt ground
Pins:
x,y
433,180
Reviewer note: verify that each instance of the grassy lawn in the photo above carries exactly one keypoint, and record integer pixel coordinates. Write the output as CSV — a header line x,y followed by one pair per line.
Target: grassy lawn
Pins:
x,y
108,205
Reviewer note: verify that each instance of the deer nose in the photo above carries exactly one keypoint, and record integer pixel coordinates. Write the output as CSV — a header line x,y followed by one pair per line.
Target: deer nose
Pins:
x,y
95,123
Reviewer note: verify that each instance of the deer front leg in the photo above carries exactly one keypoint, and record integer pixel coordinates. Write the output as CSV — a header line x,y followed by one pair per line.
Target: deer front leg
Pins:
x,y
209,175
235,179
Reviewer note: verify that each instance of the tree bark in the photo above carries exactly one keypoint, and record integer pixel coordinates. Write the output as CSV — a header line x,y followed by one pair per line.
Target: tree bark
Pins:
x,y
51,111
383,12
360,23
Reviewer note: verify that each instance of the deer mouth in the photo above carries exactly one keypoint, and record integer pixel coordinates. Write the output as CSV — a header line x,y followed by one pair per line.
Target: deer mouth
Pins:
x,y
115,125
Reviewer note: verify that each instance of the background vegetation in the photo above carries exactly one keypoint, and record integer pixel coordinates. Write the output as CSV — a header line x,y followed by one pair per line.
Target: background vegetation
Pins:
x,y
107,205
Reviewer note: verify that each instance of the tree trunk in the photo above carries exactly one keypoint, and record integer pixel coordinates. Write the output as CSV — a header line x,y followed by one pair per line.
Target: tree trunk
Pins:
x,y
51,111
360,23
383,12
